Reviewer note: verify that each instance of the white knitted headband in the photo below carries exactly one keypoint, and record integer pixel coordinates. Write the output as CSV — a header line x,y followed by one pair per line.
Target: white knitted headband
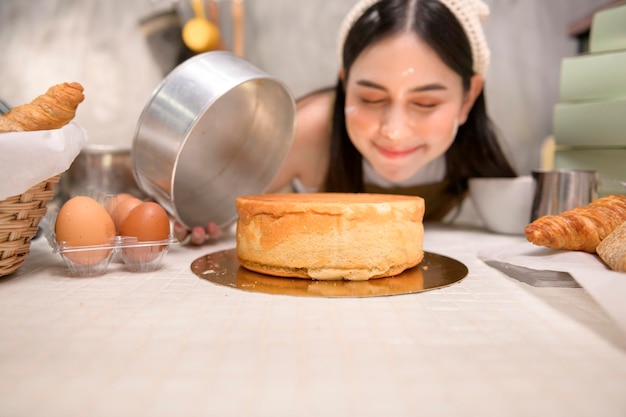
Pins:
x,y
469,13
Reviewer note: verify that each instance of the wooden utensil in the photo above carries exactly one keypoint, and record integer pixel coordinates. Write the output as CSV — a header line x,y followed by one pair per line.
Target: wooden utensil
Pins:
x,y
199,33
237,12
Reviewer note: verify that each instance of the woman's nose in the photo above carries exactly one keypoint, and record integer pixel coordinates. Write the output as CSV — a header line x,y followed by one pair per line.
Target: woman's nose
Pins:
x,y
396,124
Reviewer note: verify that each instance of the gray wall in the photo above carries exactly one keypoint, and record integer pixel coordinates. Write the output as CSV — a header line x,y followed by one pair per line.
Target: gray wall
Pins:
x,y
103,45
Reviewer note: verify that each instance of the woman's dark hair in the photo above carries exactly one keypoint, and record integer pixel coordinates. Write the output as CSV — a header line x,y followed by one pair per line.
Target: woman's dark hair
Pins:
x,y
475,151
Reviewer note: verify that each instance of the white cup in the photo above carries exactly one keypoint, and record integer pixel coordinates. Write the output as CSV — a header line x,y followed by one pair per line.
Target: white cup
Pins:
x,y
504,204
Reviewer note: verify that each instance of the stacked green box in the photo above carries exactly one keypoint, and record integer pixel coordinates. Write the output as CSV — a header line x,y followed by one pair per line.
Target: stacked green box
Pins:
x,y
590,119
608,30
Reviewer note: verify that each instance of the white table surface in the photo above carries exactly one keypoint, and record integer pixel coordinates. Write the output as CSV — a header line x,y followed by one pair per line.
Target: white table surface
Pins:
x,y
167,343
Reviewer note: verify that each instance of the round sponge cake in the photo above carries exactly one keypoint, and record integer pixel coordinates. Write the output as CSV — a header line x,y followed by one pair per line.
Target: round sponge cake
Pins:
x,y
330,236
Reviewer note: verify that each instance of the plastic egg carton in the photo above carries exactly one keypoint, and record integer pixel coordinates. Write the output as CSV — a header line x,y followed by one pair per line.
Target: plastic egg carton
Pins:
x,y
88,261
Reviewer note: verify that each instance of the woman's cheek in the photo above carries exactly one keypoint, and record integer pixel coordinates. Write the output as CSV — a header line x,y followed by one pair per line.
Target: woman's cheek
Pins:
x,y
360,120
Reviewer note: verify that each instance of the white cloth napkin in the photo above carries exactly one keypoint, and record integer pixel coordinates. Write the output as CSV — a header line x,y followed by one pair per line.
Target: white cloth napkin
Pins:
x,y
27,158
607,287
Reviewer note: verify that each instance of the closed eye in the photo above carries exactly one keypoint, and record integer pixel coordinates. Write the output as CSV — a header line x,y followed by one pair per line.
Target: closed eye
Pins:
x,y
369,101
425,105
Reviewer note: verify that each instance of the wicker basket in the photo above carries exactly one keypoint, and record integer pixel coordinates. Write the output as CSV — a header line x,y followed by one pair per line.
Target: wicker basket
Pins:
x,y
19,221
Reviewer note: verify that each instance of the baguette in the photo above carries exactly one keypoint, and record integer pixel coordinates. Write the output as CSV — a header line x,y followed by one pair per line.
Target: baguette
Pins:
x,y
612,249
52,110
581,228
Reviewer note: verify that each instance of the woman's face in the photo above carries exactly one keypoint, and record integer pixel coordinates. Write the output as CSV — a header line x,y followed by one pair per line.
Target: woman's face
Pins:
x,y
403,105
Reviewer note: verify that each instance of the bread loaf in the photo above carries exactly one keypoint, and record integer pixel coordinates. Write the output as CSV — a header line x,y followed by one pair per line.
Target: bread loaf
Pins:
x,y
612,249
330,236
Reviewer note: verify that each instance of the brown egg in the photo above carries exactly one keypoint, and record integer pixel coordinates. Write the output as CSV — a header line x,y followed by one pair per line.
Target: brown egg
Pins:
x,y
115,200
82,221
148,222
120,206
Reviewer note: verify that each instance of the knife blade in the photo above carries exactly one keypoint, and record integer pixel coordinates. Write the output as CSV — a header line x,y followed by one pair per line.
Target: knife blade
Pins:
x,y
534,277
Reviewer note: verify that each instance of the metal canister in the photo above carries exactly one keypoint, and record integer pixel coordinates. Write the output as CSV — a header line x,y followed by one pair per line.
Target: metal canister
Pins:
x,y
559,190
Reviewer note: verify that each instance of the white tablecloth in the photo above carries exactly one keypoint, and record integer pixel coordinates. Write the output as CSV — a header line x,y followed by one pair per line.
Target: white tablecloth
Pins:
x,y
167,343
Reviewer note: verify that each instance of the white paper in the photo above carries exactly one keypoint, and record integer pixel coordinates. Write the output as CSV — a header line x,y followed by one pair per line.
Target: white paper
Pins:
x,y
607,287
27,158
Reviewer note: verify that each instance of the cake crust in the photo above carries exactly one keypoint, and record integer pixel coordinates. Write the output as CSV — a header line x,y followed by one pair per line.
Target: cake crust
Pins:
x,y
330,236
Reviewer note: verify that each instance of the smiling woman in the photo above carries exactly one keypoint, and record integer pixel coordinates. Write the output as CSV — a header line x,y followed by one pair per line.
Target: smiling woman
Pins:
x,y
412,81
409,114
400,120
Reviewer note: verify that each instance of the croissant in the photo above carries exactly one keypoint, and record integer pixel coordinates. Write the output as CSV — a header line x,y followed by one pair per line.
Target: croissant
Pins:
x,y
581,228
52,110
612,249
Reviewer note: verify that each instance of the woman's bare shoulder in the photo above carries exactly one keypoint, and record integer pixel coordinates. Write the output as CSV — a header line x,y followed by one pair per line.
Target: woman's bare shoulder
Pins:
x,y
317,97
313,128
309,153
314,110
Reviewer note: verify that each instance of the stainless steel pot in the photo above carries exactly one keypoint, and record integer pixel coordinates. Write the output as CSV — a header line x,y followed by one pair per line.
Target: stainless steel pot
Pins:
x,y
98,169
215,128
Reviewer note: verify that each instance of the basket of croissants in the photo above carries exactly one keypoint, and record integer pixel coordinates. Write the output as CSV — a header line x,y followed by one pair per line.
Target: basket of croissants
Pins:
x,y
32,169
